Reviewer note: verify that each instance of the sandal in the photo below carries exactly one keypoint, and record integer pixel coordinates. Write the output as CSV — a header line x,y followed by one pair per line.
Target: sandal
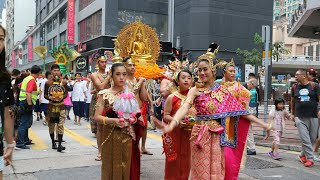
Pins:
x,y
146,152
98,158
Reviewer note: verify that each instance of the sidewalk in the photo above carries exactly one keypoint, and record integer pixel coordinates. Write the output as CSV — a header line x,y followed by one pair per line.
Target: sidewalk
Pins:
x,y
289,141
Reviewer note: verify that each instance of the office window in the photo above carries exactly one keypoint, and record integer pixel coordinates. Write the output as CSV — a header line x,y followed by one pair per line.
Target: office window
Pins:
x,y
90,27
50,6
84,3
63,16
49,26
49,44
55,3
54,21
54,42
63,37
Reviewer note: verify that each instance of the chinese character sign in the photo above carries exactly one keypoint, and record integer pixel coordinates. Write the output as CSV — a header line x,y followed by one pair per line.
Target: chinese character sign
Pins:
x,y
30,52
70,33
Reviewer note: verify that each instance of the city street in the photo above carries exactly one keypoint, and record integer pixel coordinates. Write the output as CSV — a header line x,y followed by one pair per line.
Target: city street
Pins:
x,y
77,162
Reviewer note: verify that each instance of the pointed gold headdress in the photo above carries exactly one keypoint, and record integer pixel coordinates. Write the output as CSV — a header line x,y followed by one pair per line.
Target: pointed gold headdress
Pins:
x,y
210,55
223,64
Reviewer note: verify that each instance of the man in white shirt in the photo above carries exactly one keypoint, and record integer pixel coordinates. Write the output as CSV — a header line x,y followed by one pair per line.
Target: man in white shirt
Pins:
x,y
79,98
43,101
89,96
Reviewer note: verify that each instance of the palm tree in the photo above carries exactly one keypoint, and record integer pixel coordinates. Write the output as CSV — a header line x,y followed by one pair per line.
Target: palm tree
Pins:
x,y
278,50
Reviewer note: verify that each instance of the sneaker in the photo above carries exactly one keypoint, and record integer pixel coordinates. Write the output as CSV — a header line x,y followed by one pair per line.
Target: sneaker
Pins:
x,y
251,152
303,159
271,154
308,163
316,157
276,156
29,143
22,147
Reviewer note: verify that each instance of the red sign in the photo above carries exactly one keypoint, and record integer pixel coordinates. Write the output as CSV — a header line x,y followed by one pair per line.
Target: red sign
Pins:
x,y
13,59
70,34
30,48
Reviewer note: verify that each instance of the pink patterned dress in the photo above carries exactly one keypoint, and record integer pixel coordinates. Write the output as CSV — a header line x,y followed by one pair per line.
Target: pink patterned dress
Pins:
x,y
215,133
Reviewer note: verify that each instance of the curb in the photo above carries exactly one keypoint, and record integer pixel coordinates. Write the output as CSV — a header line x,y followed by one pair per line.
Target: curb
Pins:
x,y
282,146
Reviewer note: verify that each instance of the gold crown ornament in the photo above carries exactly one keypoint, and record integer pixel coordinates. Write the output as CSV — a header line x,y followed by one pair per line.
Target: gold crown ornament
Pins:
x,y
210,55
225,65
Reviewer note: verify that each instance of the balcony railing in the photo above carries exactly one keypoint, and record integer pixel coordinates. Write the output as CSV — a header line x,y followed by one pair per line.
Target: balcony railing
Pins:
x,y
296,15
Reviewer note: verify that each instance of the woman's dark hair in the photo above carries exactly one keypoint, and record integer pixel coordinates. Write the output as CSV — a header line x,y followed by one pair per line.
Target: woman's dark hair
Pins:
x,y
278,101
47,74
178,76
77,74
116,65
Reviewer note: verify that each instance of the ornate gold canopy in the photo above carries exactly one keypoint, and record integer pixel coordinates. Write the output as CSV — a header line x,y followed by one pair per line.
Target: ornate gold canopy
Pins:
x,y
139,42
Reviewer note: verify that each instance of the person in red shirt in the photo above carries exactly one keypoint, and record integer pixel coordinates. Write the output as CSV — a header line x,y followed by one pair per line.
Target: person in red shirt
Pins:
x,y
26,104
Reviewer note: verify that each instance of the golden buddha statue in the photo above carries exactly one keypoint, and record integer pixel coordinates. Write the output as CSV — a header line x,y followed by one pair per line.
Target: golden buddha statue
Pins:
x,y
140,51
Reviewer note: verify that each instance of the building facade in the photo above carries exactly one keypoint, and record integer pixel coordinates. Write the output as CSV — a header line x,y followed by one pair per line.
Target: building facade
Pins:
x,y
18,23
95,24
231,24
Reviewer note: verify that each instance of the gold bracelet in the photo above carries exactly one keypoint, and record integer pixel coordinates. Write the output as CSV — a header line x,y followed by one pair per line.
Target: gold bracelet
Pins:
x,y
189,102
269,127
104,121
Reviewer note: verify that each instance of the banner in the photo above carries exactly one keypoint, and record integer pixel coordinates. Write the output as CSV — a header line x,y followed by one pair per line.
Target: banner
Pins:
x,y
30,48
13,61
70,34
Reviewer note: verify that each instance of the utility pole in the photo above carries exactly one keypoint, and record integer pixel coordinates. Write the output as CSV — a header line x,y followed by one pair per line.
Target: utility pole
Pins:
x,y
266,40
171,21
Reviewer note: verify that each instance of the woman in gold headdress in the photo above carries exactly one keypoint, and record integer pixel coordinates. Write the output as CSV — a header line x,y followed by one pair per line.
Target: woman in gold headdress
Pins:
x,y
216,124
117,131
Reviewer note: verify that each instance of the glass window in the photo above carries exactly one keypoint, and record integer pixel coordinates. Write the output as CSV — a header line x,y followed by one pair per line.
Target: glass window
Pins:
x,y
49,44
63,37
84,3
54,21
49,25
157,21
54,42
63,16
50,6
90,27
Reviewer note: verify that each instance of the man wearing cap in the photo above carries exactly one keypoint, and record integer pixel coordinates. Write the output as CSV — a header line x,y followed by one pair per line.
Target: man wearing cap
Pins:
x,y
312,75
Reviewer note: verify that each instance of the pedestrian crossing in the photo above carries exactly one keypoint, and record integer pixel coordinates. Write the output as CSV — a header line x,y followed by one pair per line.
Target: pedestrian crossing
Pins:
x,y
74,135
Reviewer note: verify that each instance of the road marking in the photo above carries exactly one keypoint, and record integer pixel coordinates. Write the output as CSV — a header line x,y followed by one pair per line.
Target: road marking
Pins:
x,y
153,136
77,137
159,138
38,143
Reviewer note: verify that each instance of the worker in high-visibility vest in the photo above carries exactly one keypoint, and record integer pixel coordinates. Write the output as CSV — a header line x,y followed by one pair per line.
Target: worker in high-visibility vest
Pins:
x,y
27,97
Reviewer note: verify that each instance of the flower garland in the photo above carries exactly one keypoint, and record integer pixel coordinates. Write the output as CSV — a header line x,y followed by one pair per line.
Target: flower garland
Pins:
x,y
149,71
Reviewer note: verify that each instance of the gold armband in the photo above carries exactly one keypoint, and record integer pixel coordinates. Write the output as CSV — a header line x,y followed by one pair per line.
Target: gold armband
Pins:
x,y
189,102
104,121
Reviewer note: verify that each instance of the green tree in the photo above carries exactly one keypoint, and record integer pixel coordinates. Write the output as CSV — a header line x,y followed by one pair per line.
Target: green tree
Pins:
x,y
278,50
254,56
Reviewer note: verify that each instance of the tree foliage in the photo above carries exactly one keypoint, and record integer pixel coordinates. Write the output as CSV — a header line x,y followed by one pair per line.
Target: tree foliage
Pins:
x,y
253,56
278,50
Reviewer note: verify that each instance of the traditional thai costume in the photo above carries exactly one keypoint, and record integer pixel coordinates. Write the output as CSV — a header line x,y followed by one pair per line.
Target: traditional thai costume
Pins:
x,y
177,145
117,142
219,134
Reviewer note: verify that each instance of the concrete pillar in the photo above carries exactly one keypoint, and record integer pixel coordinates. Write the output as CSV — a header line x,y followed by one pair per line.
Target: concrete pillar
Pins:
x,y
294,50
314,54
